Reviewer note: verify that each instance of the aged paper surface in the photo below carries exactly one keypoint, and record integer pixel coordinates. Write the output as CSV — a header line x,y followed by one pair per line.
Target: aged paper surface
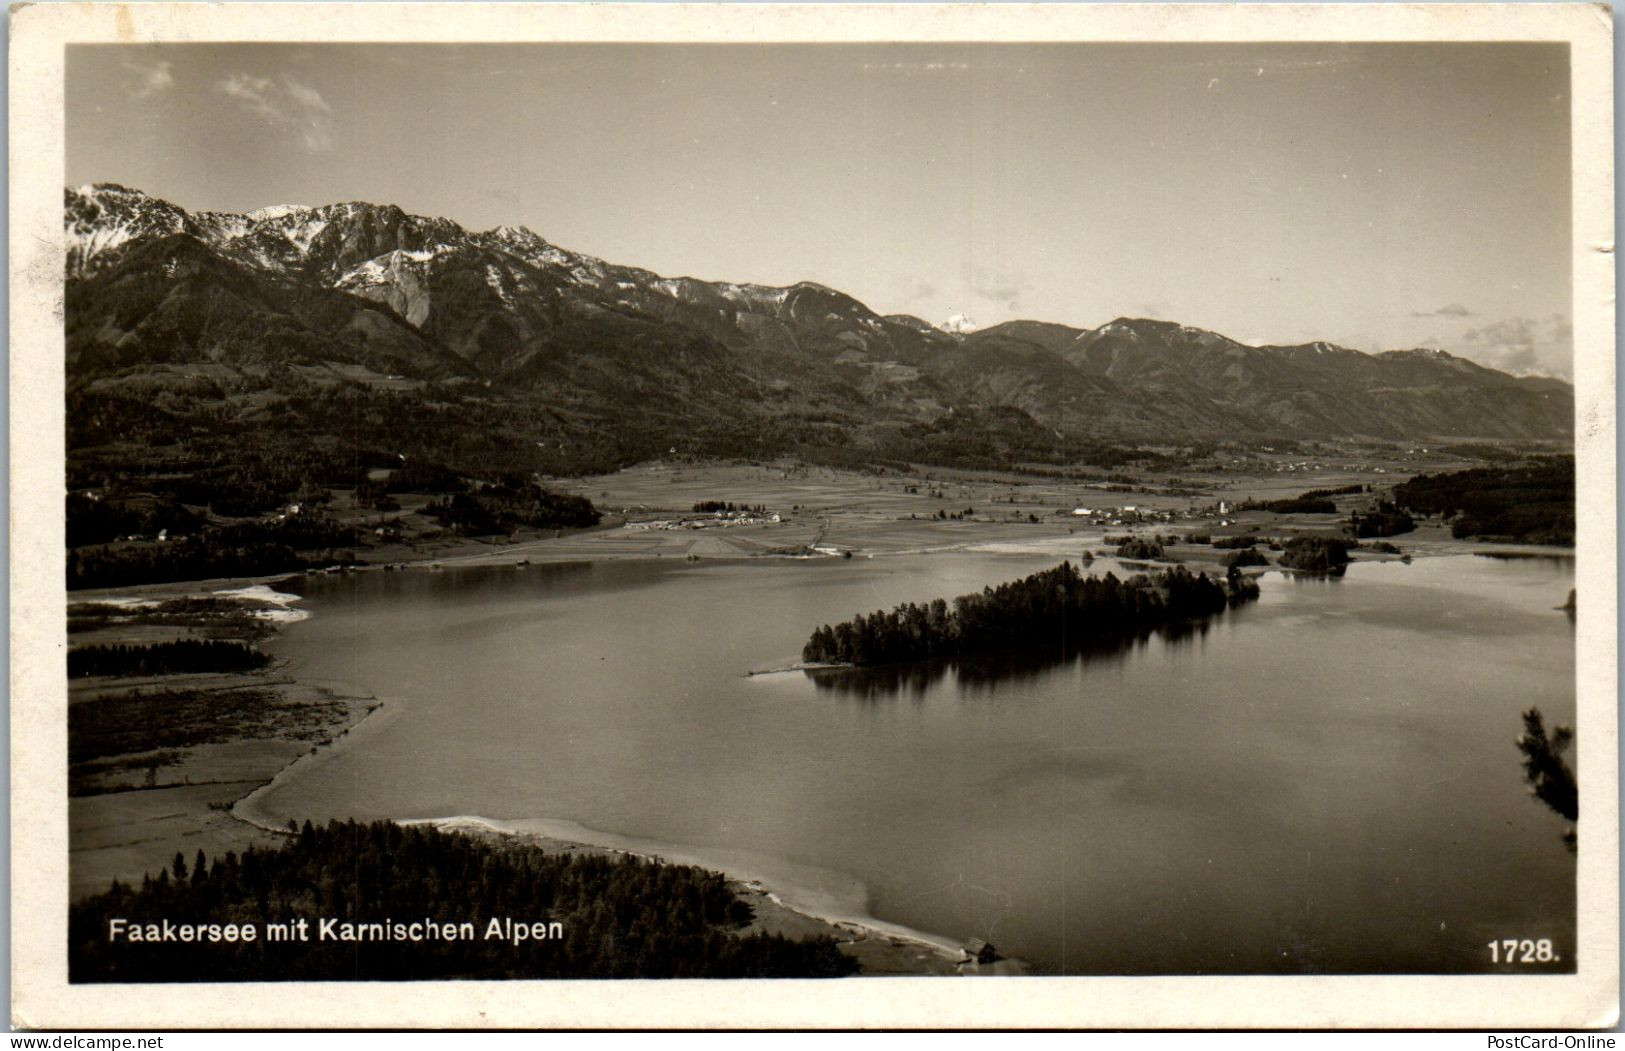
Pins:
x,y
43,997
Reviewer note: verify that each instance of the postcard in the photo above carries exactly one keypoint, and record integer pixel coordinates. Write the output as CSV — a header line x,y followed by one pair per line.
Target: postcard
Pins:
x,y
852,516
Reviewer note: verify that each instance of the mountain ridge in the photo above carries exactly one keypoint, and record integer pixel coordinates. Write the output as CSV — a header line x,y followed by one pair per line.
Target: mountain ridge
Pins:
x,y
506,312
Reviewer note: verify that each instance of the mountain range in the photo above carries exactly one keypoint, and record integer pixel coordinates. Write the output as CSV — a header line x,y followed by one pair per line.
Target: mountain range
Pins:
x,y
242,312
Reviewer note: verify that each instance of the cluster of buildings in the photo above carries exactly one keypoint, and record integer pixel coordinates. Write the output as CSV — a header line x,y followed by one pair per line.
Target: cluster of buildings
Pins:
x,y
1135,514
719,519
1127,514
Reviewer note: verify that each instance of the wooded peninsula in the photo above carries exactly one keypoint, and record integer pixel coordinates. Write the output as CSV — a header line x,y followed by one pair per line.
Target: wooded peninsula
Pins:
x,y
1060,605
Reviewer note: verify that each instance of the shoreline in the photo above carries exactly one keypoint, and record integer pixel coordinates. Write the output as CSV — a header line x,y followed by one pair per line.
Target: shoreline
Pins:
x,y
1427,541
822,907
122,827
883,947
242,809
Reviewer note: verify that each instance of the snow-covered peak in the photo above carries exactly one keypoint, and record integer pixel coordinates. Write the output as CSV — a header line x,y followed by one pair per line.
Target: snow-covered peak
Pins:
x,y
755,297
516,235
113,191
959,324
524,243
275,211
103,217
386,266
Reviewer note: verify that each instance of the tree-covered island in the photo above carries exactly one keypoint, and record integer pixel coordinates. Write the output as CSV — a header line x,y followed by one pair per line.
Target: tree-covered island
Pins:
x,y
1317,554
1057,605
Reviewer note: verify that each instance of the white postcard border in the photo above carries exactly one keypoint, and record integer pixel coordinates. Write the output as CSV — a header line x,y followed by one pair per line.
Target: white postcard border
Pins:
x,y
42,998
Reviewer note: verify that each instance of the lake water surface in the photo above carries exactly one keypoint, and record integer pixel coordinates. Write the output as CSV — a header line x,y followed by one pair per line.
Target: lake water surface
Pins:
x,y
1322,781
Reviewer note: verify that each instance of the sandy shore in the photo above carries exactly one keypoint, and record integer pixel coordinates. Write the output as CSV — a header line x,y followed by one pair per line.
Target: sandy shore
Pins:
x,y
778,907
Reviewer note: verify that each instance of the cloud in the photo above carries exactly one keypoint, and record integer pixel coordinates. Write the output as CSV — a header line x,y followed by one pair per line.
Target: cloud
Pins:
x,y
1523,346
1507,345
1448,310
308,98
148,78
253,91
284,103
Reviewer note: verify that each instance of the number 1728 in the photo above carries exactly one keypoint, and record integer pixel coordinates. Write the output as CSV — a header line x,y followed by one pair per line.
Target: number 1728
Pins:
x,y
1522,950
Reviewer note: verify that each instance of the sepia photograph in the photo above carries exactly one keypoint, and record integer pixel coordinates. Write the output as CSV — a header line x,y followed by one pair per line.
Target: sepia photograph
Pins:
x,y
1001,500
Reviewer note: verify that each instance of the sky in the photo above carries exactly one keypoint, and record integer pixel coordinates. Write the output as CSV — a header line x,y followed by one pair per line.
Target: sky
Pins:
x,y
1379,196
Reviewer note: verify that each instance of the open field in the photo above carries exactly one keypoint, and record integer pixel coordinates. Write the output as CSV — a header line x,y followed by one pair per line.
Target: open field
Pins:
x,y
649,510
157,761
813,511
126,834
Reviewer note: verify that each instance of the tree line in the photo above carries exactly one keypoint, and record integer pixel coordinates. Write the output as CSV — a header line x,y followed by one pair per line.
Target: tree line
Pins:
x,y
509,505
1060,605
242,549
165,658
1294,505
1530,503
706,507
1342,490
191,558
623,917
93,520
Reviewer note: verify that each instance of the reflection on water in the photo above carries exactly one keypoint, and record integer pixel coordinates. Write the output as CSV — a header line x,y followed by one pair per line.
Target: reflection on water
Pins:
x,y
882,683
983,674
1187,632
1319,576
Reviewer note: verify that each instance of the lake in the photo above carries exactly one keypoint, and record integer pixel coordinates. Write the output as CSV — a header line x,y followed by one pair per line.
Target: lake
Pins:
x,y
1323,781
